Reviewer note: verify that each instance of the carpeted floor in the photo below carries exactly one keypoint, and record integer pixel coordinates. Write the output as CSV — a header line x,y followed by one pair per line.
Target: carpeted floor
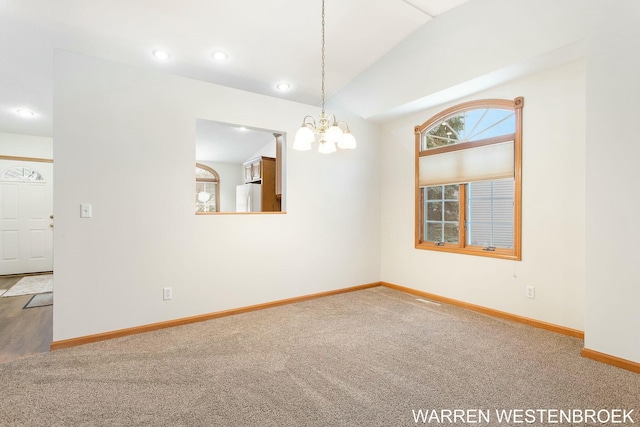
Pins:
x,y
366,358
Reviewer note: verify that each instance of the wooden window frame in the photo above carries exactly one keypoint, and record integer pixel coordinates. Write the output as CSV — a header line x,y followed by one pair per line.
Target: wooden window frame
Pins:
x,y
215,180
461,247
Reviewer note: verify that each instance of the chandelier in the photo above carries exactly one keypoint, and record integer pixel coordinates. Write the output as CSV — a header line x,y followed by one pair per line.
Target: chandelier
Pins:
x,y
327,129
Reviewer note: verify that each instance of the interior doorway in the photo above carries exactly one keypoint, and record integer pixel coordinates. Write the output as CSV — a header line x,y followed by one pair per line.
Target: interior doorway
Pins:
x,y
26,216
26,248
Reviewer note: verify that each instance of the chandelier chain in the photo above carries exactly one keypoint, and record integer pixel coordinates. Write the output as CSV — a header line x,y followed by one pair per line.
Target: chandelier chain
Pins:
x,y
323,57
328,131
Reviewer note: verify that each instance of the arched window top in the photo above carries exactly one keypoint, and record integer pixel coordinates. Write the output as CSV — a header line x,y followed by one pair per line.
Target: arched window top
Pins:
x,y
469,179
206,174
22,174
470,122
207,189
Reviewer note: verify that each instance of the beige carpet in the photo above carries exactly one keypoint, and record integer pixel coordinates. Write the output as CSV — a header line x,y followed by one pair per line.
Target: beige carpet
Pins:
x,y
31,285
366,358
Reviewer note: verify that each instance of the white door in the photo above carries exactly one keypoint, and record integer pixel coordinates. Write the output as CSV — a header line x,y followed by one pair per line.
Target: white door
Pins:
x,y
26,223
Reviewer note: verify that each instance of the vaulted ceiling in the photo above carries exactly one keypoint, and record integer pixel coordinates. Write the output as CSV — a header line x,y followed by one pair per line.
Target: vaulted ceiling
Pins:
x,y
267,42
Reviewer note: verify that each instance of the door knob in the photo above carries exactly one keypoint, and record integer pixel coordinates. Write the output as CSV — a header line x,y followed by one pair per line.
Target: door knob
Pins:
x,y
51,225
51,216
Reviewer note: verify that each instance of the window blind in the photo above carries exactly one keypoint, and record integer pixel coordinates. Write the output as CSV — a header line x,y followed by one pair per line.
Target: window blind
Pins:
x,y
488,162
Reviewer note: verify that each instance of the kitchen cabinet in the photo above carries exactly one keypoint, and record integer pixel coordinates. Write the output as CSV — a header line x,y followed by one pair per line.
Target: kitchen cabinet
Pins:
x,y
262,170
253,170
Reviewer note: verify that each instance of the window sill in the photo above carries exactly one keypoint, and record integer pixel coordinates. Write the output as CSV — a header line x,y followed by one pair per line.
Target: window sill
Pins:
x,y
509,254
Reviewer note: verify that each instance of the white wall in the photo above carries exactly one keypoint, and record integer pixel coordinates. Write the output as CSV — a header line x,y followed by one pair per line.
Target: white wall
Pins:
x,y
124,141
553,209
12,144
486,41
231,174
613,150
267,150
493,38
111,268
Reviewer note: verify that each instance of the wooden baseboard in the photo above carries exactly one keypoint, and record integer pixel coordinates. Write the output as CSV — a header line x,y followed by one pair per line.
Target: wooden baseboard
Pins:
x,y
590,354
611,360
489,311
72,342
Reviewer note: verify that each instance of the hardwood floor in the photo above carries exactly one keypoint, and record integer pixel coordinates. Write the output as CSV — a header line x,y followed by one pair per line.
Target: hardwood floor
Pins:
x,y
23,332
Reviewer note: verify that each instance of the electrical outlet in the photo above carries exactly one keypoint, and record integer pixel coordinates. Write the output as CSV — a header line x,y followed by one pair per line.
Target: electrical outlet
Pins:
x,y
530,292
167,293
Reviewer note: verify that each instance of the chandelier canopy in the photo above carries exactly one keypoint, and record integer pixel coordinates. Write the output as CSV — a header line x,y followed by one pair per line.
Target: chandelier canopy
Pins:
x,y
328,130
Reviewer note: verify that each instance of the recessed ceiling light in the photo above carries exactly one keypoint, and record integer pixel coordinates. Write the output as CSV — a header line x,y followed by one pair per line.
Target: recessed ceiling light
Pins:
x,y
219,55
242,128
283,86
160,54
22,112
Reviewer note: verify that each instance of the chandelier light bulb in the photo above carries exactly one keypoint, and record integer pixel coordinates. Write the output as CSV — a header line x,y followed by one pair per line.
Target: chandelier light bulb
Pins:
x,y
348,141
304,138
327,147
334,135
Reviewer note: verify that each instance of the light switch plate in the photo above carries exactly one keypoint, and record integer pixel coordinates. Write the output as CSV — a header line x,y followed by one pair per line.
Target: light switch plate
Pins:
x,y
85,210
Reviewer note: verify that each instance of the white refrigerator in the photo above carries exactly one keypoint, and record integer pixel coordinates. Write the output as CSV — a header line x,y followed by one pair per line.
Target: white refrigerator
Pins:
x,y
249,198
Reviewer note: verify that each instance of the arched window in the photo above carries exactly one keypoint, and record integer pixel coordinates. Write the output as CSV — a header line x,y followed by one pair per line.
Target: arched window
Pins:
x,y
207,189
468,179
22,174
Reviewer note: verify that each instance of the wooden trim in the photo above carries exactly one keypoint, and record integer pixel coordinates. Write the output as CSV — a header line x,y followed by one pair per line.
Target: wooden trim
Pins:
x,y
210,170
461,247
419,197
601,357
611,360
518,103
469,250
489,311
239,213
462,215
279,144
467,145
514,254
517,220
72,342
26,159
467,106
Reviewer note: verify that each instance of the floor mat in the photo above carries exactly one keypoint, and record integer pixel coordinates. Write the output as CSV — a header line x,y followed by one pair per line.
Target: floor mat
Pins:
x,y
31,285
40,300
